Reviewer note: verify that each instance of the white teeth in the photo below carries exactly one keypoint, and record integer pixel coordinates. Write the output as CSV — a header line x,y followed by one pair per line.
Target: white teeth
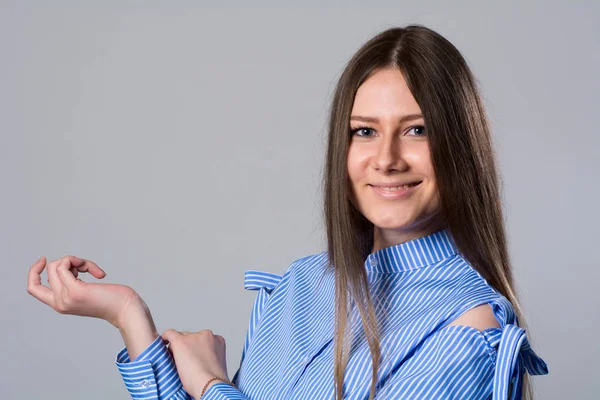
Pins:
x,y
395,188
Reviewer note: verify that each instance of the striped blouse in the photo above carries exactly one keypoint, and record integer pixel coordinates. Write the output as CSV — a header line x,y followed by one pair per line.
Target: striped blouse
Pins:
x,y
418,288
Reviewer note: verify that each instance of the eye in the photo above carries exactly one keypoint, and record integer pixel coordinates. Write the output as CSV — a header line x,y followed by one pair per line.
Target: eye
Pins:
x,y
363,131
418,130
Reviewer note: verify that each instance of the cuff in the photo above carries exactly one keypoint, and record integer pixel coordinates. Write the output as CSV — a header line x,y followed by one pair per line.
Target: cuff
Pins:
x,y
151,374
223,391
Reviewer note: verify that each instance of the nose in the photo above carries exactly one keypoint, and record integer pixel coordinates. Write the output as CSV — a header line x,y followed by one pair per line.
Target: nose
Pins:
x,y
388,155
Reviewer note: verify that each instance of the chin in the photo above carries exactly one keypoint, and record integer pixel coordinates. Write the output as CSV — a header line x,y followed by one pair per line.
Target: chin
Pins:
x,y
415,223
401,221
395,227
393,223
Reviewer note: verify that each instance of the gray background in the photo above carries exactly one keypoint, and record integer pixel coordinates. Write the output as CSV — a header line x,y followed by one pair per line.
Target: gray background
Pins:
x,y
178,144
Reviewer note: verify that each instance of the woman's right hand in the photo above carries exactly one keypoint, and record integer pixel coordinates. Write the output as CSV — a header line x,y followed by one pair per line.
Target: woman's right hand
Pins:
x,y
68,294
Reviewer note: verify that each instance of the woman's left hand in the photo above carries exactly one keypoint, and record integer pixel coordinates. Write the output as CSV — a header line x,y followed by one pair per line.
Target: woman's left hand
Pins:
x,y
199,356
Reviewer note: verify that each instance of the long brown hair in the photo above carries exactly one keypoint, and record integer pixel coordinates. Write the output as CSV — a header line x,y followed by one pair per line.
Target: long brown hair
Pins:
x,y
464,164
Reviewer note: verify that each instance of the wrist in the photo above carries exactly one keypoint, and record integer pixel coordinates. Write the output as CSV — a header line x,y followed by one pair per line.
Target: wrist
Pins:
x,y
208,384
133,311
137,327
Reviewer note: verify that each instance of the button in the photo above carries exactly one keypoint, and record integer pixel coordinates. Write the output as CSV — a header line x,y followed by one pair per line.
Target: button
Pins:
x,y
374,261
144,383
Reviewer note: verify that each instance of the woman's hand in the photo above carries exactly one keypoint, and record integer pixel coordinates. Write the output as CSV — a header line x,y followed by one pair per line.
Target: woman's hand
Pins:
x,y
67,294
199,356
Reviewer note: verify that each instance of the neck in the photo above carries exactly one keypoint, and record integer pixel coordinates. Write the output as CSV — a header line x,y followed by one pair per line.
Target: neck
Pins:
x,y
383,237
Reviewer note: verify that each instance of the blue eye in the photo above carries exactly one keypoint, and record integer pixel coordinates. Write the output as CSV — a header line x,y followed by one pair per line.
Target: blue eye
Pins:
x,y
418,130
363,131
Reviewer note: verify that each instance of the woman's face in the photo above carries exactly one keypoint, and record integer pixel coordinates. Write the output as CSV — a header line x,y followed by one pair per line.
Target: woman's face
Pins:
x,y
389,163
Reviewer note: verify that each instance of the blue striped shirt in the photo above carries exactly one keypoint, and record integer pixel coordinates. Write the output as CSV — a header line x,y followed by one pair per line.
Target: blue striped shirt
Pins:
x,y
418,288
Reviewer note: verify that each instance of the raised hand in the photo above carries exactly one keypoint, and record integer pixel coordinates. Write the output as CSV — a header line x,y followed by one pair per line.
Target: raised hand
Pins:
x,y
68,294
199,356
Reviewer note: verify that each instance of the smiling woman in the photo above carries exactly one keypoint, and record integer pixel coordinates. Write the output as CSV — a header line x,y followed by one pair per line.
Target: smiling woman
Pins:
x,y
407,112
389,161
413,298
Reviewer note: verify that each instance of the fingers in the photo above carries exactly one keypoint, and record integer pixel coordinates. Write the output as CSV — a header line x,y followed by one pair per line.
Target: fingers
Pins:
x,y
66,270
34,283
66,276
53,279
220,338
170,335
35,271
63,272
84,265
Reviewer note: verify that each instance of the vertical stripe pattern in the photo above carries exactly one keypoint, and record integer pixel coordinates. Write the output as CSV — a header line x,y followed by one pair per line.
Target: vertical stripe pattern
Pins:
x,y
418,288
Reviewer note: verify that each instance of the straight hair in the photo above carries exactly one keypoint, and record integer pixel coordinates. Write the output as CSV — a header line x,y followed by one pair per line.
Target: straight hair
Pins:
x,y
465,169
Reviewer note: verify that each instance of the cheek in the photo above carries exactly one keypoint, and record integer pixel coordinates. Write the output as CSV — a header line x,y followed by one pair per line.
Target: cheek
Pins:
x,y
433,203
354,165
430,174
428,169
419,159
418,156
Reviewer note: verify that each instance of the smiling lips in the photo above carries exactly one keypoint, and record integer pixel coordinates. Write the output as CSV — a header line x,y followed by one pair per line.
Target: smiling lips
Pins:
x,y
394,190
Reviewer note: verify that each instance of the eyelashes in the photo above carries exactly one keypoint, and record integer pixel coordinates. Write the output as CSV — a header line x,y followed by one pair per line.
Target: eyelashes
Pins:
x,y
421,128
355,131
360,130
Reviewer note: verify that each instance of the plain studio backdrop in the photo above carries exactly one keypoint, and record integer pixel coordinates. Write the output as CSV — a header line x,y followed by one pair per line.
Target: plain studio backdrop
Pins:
x,y
178,144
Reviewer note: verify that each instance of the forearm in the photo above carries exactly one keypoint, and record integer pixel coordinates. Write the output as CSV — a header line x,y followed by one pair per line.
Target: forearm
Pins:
x,y
137,327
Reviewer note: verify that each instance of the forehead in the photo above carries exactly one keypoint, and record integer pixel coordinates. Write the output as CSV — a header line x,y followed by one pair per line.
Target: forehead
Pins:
x,y
385,93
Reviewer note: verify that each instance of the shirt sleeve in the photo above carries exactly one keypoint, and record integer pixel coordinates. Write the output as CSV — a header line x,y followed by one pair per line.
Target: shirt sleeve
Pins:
x,y
223,391
264,283
152,375
456,362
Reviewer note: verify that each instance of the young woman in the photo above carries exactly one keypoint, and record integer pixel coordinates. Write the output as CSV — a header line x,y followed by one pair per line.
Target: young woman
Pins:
x,y
414,298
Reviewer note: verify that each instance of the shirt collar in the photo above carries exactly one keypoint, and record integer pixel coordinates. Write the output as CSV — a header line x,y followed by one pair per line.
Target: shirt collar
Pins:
x,y
414,254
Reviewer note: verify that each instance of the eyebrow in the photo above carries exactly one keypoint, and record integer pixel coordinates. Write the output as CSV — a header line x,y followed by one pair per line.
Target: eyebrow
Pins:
x,y
402,119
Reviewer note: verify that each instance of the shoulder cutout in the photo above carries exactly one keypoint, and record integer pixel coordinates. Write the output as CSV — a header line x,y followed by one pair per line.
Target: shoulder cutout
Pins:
x,y
480,317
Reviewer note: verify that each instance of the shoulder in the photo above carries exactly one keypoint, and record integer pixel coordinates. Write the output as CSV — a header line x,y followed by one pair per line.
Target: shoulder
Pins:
x,y
308,265
477,304
479,313
501,308
453,280
479,317
304,268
